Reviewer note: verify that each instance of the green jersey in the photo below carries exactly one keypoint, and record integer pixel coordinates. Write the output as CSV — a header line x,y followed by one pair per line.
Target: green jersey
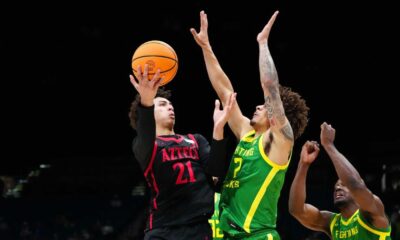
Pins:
x,y
214,220
356,228
251,190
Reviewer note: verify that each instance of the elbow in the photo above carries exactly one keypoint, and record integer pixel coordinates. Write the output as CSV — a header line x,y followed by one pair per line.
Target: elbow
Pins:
x,y
294,210
297,209
298,214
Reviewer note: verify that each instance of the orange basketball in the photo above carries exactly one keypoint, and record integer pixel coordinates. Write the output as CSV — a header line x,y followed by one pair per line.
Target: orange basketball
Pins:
x,y
157,55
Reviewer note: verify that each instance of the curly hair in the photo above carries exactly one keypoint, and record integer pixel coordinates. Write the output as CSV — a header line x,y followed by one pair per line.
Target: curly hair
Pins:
x,y
296,110
161,92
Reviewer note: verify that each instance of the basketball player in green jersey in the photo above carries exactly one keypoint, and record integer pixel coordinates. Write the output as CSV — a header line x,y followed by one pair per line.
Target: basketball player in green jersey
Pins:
x,y
214,220
362,214
251,189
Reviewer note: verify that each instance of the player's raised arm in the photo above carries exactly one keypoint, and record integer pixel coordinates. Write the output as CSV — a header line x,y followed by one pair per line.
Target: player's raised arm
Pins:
x,y
219,80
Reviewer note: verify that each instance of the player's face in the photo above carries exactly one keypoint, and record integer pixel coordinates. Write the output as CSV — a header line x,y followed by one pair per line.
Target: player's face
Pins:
x,y
164,112
341,194
260,118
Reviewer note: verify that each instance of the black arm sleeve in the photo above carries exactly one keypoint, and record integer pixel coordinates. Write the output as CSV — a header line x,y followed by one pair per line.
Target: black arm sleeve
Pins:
x,y
204,148
143,143
213,159
216,165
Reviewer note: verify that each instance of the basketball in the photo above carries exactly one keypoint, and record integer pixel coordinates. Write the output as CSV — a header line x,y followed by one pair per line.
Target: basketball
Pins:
x,y
157,55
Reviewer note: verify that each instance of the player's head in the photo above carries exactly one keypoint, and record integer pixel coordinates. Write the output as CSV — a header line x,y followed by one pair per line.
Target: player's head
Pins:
x,y
341,195
296,112
260,120
164,113
161,94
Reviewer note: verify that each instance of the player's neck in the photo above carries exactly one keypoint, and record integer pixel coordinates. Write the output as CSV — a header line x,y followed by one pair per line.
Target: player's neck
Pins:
x,y
349,210
259,131
164,131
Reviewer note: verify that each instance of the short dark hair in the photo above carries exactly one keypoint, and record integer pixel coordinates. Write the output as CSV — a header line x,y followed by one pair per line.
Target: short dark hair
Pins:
x,y
296,110
161,92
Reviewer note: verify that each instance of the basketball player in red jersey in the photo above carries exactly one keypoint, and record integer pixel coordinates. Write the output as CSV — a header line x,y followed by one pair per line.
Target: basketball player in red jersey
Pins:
x,y
175,166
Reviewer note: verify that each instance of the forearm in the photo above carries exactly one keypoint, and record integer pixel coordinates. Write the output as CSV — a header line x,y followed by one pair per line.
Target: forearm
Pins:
x,y
270,86
218,133
146,134
297,195
216,74
352,180
216,165
268,73
344,169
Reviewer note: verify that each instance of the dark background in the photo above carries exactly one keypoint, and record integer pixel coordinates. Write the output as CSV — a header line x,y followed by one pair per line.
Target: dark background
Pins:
x,y
67,93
